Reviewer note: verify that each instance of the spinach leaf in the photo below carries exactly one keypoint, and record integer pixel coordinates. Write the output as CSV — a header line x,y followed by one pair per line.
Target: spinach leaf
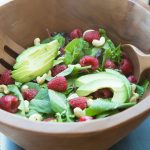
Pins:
x,y
1,94
141,89
14,89
100,106
58,37
33,85
41,102
73,70
73,50
107,113
57,101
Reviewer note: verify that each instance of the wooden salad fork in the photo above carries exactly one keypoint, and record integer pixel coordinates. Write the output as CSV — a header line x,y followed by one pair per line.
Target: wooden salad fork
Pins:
x,y
9,50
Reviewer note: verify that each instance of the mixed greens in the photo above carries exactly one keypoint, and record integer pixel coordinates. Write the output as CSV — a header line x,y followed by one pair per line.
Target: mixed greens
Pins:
x,y
70,78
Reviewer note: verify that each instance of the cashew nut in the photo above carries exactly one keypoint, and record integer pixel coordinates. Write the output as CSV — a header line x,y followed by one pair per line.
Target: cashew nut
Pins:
x,y
78,112
41,80
37,41
98,43
89,102
26,104
24,87
36,117
4,89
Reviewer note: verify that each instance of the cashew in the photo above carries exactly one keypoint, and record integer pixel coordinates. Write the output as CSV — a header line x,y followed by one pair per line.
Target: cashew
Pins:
x,y
98,43
49,73
89,102
26,104
4,89
24,87
36,117
41,80
87,32
37,41
79,112
134,98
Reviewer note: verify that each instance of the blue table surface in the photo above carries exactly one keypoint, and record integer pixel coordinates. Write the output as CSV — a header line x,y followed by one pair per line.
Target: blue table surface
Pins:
x,y
138,139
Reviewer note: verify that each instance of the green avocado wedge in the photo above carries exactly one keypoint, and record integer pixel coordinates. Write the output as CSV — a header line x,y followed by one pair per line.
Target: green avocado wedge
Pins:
x,y
35,61
117,86
111,74
126,81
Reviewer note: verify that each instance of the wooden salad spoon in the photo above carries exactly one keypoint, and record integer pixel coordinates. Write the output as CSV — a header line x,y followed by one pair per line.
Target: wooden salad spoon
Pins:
x,y
140,60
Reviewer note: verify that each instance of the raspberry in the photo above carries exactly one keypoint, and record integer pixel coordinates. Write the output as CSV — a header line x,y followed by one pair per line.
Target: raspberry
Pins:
x,y
85,118
49,119
57,69
110,64
58,84
78,102
29,94
103,93
62,51
91,35
5,78
89,61
126,67
132,79
9,103
76,33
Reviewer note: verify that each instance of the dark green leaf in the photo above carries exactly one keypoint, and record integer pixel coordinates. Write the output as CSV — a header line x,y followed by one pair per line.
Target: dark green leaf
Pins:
x,y
41,102
33,85
47,40
57,101
15,91
60,39
107,113
100,106
1,94
73,50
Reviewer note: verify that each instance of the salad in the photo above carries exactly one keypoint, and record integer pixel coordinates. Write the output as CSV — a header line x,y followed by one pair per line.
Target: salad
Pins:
x,y
75,77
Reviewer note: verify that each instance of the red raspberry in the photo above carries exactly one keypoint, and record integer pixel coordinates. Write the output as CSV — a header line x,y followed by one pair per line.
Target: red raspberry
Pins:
x,y
126,67
91,35
5,78
9,103
76,33
57,69
103,93
132,79
85,118
89,60
49,119
78,102
62,51
58,84
110,64
29,94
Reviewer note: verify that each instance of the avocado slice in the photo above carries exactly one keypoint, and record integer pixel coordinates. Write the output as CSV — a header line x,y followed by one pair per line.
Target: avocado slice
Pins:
x,y
35,61
118,87
126,81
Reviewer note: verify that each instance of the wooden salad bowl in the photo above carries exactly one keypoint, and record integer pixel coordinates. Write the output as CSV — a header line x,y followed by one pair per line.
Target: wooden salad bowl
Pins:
x,y
126,21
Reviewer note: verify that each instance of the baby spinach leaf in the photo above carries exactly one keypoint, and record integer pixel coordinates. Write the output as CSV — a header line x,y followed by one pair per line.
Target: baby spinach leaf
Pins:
x,y
141,89
107,113
33,85
1,94
74,49
58,37
73,70
100,106
41,102
15,91
57,101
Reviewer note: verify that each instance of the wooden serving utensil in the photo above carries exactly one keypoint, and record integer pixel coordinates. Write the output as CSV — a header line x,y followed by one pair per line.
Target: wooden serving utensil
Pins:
x,y
140,60
9,50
